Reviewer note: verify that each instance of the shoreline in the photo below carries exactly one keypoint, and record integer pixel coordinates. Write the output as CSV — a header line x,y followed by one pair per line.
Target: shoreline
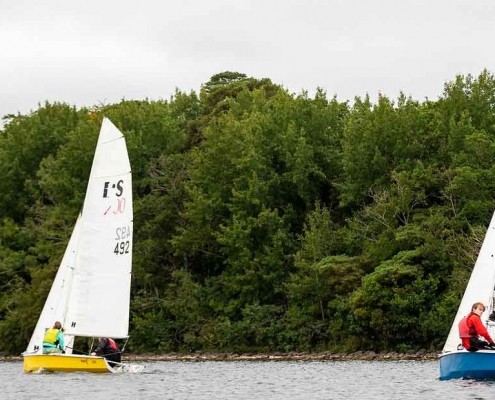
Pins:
x,y
292,356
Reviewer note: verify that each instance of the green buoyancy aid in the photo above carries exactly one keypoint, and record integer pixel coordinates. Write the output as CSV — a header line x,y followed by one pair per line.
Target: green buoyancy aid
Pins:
x,y
51,336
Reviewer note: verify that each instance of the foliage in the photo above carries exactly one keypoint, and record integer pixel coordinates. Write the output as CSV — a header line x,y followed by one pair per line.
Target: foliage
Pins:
x,y
264,220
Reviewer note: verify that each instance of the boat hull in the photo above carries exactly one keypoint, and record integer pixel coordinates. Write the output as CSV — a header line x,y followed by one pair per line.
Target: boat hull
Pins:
x,y
467,365
65,363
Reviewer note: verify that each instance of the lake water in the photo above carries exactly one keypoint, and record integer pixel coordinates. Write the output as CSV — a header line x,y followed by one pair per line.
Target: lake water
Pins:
x,y
248,380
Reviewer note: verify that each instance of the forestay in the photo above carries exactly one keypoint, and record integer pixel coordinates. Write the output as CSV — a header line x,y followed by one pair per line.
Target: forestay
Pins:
x,y
100,292
480,287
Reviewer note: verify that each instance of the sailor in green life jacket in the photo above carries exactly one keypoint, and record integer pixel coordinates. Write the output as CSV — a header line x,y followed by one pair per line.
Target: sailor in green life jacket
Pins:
x,y
53,342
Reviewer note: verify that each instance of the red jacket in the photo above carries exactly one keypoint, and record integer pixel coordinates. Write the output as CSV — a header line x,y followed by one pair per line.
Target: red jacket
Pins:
x,y
106,346
475,327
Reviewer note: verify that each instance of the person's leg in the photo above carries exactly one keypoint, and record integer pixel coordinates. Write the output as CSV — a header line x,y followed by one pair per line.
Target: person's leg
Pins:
x,y
51,350
478,344
115,357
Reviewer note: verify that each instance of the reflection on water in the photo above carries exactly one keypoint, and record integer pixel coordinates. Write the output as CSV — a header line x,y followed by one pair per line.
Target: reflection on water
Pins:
x,y
248,380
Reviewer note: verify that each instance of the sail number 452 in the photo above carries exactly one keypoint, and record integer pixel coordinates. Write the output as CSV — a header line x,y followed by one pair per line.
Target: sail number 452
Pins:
x,y
123,235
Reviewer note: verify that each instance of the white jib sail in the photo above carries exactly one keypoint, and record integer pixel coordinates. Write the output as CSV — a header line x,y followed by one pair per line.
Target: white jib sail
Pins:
x,y
56,303
480,286
100,291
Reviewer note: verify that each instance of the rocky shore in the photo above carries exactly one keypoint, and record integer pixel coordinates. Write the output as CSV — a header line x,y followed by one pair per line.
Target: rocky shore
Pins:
x,y
292,356
326,356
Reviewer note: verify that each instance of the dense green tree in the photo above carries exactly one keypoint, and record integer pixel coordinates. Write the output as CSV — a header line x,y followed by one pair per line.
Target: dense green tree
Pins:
x,y
264,220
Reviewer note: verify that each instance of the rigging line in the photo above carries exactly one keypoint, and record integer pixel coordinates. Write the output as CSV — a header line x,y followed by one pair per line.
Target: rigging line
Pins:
x,y
78,351
111,176
112,140
125,344
91,347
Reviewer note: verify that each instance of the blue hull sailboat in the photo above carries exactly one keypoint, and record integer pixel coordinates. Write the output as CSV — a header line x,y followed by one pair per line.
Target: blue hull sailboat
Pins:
x,y
467,365
455,361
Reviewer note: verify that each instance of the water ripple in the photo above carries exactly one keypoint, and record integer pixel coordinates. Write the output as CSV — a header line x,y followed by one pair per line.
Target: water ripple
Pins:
x,y
316,380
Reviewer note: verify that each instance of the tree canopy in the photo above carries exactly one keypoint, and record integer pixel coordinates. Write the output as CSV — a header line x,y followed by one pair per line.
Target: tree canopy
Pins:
x,y
264,220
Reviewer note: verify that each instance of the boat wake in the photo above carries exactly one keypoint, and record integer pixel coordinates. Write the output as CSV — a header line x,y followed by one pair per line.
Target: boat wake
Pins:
x,y
129,369
39,371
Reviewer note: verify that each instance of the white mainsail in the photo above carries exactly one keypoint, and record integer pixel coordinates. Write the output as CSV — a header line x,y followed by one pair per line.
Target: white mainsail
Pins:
x,y
480,287
100,291
56,303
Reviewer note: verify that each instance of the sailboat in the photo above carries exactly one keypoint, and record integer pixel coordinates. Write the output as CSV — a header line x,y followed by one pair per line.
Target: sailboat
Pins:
x,y
455,361
90,294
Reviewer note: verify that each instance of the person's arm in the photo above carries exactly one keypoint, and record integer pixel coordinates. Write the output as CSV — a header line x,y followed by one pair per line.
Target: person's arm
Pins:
x,y
481,330
60,338
101,347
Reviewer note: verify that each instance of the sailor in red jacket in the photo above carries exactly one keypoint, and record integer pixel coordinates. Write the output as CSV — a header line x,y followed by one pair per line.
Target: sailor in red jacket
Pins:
x,y
471,328
108,349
